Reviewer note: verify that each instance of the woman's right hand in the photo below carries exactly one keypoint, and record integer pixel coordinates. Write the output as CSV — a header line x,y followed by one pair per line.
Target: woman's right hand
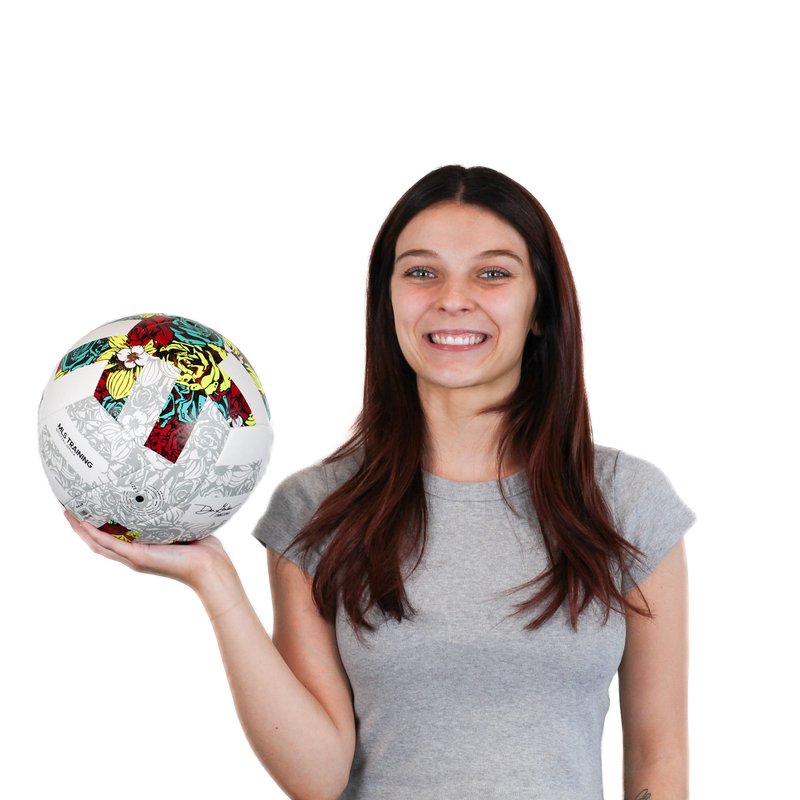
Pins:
x,y
191,563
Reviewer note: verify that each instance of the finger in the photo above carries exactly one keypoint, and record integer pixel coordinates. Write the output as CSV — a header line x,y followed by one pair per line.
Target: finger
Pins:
x,y
95,545
98,541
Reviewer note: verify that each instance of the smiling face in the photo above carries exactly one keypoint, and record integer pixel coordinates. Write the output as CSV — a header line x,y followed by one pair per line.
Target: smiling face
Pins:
x,y
463,294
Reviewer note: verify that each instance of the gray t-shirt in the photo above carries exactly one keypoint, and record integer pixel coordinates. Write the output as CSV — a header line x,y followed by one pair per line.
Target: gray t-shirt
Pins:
x,y
458,702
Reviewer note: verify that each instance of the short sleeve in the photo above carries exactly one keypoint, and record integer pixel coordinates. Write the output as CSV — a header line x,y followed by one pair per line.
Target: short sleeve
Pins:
x,y
294,501
648,512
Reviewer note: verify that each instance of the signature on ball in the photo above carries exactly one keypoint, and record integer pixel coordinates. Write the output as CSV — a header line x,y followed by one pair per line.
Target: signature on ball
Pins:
x,y
203,509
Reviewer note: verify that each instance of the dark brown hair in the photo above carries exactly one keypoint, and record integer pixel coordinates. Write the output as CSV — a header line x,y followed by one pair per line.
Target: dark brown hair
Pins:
x,y
378,517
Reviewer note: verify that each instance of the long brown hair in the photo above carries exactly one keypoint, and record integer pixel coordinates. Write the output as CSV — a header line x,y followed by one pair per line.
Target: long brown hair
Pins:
x,y
378,517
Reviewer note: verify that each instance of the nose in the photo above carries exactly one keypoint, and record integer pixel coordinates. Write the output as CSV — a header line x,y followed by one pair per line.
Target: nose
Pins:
x,y
454,296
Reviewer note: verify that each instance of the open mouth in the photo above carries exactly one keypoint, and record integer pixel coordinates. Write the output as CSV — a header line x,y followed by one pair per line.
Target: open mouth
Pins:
x,y
461,339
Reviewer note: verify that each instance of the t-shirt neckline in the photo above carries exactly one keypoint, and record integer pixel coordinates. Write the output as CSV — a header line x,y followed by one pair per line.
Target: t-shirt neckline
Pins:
x,y
514,484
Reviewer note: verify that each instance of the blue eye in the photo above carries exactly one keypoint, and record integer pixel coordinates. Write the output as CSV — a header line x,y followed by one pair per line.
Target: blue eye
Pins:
x,y
499,272
411,272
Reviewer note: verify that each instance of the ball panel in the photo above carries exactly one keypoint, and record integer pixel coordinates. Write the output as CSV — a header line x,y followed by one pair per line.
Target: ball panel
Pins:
x,y
170,434
231,480
69,388
206,441
245,445
147,399
208,511
241,377
89,467
64,481
110,439
118,502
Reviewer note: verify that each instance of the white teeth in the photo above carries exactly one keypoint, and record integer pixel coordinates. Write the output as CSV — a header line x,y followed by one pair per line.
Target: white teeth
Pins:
x,y
470,339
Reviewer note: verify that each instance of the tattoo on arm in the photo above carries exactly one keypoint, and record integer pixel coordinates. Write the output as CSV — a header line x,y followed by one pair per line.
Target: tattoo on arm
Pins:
x,y
643,795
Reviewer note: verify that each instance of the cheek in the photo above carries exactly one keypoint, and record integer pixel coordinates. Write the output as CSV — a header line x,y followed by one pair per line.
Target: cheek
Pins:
x,y
524,311
516,321
406,309
401,326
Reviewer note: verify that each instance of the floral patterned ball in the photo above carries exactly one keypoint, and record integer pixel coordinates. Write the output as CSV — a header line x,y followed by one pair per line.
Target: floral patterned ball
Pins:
x,y
155,428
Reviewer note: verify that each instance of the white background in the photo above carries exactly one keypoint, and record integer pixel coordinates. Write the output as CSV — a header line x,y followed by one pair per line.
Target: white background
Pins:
x,y
232,163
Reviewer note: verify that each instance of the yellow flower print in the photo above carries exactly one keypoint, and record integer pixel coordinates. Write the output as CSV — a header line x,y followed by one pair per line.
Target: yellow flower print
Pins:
x,y
199,366
231,348
124,364
130,536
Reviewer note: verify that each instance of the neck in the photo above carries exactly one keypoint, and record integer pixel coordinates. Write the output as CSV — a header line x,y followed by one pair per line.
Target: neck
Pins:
x,y
462,445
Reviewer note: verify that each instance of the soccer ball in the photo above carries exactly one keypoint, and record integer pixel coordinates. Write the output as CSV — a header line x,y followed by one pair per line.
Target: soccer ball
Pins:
x,y
154,428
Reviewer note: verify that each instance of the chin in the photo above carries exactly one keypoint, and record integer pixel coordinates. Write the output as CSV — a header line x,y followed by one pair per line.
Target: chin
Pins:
x,y
450,382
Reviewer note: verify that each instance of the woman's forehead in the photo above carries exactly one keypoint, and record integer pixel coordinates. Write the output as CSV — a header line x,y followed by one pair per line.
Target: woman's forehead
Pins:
x,y
459,228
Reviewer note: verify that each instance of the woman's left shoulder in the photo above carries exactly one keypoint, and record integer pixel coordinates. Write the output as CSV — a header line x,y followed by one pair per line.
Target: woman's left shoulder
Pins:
x,y
647,509
620,470
628,472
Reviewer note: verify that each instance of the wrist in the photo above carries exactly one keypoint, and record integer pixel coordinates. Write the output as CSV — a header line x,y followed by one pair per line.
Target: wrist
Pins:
x,y
220,589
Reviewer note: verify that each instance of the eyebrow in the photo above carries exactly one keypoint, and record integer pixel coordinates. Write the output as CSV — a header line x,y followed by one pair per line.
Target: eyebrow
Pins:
x,y
434,254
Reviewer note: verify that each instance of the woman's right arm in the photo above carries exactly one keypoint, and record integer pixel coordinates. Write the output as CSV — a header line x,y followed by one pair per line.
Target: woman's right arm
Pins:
x,y
288,728
294,736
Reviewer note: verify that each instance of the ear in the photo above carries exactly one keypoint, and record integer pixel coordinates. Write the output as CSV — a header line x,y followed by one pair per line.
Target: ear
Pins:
x,y
536,328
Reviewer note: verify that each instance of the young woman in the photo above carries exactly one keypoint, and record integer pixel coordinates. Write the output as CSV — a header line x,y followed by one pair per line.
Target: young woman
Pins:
x,y
456,586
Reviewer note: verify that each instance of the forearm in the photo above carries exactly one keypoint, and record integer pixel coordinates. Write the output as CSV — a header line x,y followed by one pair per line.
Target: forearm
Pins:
x,y
657,779
288,729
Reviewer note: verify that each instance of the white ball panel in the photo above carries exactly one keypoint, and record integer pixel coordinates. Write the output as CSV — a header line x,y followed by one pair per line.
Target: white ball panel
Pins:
x,y
83,458
241,377
246,444
70,388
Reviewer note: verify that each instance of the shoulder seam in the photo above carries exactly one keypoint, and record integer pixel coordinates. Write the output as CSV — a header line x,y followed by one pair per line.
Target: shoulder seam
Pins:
x,y
327,480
